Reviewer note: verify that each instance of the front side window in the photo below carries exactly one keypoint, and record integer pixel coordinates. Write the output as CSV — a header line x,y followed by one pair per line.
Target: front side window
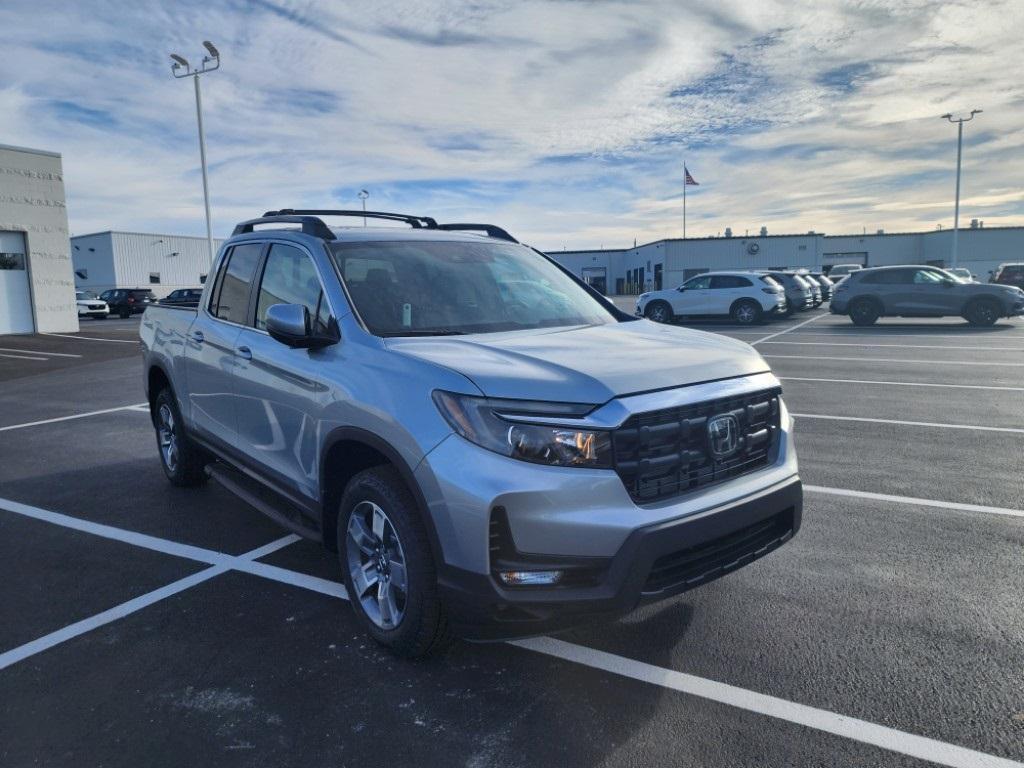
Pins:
x,y
231,299
289,277
698,283
927,277
408,288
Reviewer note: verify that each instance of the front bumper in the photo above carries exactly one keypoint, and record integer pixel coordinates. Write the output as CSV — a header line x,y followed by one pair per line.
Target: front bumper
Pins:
x,y
654,563
580,520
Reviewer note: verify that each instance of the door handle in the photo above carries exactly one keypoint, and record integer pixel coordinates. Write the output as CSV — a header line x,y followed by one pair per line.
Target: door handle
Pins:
x,y
244,352
197,337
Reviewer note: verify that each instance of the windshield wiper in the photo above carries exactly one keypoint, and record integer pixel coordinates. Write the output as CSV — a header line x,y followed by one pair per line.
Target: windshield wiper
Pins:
x,y
425,332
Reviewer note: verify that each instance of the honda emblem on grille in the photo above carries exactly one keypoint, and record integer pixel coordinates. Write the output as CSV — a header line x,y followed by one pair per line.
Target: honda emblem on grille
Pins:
x,y
723,435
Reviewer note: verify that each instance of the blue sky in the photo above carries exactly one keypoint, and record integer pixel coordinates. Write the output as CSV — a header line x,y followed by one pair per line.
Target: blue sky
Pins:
x,y
566,122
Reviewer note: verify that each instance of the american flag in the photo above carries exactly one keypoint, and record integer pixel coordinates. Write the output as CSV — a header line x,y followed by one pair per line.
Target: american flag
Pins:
x,y
689,179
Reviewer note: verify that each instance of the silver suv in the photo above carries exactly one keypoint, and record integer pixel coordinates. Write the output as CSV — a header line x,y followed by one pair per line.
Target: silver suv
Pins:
x,y
489,446
922,291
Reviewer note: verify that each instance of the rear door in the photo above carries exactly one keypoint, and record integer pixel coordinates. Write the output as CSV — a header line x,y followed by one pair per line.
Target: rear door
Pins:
x,y
281,390
210,346
725,290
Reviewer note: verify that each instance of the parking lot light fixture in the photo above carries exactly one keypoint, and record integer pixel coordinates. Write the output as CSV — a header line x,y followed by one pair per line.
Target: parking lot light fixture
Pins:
x,y
181,68
363,194
959,148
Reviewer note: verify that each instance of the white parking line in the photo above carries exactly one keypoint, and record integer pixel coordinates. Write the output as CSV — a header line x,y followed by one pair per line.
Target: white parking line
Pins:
x,y
841,334
902,383
24,357
901,422
93,338
46,642
900,346
771,706
752,701
786,330
895,360
36,352
136,407
913,501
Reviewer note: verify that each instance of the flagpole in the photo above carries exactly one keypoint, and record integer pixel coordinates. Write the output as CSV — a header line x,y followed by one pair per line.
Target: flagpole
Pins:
x,y
684,201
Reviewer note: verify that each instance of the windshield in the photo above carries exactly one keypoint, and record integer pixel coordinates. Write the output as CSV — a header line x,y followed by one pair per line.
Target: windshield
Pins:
x,y
409,288
85,295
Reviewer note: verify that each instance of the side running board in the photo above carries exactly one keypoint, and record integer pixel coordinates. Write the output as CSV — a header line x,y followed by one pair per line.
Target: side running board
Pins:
x,y
264,500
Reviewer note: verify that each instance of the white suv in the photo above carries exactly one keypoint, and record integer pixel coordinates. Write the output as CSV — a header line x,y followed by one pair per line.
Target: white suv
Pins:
x,y
746,297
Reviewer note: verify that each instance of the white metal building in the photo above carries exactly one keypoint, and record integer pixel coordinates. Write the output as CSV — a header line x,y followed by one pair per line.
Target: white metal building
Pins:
x,y
140,260
36,286
669,262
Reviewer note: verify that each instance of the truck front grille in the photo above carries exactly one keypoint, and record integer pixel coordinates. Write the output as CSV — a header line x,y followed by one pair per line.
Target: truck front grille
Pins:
x,y
664,453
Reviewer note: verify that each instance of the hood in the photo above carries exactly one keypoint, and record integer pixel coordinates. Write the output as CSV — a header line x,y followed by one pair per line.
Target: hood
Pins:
x,y
591,364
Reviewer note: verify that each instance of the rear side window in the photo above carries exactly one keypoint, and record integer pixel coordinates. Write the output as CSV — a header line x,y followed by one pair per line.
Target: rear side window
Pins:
x,y
290,277
729,281
230,299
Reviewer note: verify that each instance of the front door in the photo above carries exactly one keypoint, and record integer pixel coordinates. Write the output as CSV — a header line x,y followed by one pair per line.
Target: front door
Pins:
x,y
935,294
210,346
280,391
694,297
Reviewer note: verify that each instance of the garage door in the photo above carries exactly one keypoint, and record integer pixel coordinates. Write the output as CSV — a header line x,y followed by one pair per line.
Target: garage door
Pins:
x,y
15,299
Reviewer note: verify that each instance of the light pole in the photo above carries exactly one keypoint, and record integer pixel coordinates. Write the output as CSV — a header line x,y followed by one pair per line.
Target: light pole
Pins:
x,y
959,148
363,194
180,68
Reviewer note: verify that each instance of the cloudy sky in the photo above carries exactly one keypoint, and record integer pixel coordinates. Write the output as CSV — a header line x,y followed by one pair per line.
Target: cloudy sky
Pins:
x,y
567,122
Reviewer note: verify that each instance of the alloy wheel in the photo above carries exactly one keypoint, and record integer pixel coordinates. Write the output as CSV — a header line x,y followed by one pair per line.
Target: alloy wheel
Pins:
x,y
376,563
168,437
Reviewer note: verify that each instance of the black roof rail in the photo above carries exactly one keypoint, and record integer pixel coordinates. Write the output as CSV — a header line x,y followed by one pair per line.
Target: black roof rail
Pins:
x,y
416,222
490,229
311,225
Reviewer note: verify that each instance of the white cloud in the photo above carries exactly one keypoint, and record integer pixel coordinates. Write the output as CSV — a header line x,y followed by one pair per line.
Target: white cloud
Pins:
x,y
799,115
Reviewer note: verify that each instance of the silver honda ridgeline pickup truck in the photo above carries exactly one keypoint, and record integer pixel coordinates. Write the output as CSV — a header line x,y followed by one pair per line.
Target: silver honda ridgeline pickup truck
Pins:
x,y
490,446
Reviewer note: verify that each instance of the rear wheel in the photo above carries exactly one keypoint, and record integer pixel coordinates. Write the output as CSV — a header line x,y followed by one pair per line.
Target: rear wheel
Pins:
x,y
659,312
865,312
983,312
183,462
387,564
746,312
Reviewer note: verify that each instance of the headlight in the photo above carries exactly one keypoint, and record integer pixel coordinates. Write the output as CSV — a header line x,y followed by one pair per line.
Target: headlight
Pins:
x,y
477,419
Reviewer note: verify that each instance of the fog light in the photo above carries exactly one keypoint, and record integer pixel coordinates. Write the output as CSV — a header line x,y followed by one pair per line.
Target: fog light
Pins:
x,y
530,578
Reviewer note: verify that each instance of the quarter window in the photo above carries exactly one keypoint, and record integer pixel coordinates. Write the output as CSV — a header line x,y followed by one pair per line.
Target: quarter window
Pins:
x,y
290,277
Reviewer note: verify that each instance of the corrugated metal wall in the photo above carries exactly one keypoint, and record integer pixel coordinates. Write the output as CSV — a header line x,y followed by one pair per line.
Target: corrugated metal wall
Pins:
x,y
178,262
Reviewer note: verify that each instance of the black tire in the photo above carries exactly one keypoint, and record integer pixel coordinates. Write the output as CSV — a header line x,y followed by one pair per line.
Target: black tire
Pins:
x,y
423,626
188,466
865,312
982,312
746,312
658,311
124,314
100,317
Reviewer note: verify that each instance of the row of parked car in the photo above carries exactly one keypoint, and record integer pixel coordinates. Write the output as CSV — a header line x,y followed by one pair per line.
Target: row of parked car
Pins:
x,y
747,297
864,294
125,302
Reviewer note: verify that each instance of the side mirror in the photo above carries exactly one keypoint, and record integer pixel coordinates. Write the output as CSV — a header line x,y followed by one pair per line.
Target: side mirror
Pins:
x,y
289,324
681,288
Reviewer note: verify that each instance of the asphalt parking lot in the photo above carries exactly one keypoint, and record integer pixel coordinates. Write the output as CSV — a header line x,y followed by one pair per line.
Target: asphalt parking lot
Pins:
x,y
150,625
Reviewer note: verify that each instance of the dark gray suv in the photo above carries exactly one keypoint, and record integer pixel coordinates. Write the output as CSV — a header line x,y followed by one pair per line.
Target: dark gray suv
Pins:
x,y
922,291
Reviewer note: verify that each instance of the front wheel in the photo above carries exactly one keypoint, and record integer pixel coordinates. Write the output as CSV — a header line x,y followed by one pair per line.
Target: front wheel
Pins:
x,y
387,565
982,312
183,463
746,312
659,312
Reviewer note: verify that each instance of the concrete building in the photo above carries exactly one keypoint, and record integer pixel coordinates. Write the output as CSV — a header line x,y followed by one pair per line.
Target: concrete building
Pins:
x,y
161,263
665,263
37,291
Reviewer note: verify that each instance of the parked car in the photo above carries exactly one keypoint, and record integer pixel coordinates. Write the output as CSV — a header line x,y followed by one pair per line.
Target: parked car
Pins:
x,y
478,471
922,291
746,297
126,302
91,305
813,285
1009,274
182,297
823,282
799,296
963,273
839,271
